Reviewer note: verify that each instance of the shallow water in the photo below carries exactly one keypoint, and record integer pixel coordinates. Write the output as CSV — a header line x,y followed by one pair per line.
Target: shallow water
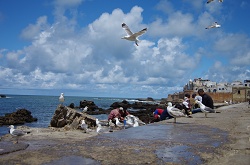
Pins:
x,y
176,143
74,160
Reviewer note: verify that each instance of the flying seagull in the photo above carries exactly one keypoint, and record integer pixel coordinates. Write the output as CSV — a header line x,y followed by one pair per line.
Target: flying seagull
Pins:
x,y
213,0
61,98
214,25
17,133
132,36
204,108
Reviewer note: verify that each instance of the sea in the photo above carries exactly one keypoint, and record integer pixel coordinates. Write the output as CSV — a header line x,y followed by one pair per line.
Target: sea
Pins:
x,y
43,107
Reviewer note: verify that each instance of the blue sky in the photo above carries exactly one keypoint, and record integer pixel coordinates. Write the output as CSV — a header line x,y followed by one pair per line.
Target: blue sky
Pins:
x,y
75,46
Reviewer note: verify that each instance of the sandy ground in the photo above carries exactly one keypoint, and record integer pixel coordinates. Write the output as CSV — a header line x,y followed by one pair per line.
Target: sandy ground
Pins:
x,y
57,146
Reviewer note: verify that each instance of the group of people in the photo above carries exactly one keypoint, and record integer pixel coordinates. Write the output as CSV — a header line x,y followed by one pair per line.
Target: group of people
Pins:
x,y
188,107
162,114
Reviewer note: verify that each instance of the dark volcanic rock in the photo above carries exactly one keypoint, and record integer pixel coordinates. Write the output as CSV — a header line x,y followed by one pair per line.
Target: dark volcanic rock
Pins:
x,y
21,116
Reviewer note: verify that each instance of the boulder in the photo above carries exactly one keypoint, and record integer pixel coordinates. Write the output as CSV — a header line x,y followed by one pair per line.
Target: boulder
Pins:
x,y
70,118
21,116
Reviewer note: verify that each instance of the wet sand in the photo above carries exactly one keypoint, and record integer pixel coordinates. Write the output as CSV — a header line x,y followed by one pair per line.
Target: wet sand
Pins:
x,y
221,138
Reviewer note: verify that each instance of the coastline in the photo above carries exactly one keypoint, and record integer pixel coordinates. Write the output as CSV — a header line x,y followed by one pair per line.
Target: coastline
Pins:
x,y
49,144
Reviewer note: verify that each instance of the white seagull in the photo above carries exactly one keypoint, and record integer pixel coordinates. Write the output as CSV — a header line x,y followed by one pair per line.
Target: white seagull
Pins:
x,y
213,0
214,25
132,36
118,123
132,121
17,133
174,112
61,98
84,126
101,129
204,108
85,109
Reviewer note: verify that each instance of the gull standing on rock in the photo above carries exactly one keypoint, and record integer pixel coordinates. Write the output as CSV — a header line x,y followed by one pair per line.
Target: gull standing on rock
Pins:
x,y
17,133
84,126
61,98
132,36
214,25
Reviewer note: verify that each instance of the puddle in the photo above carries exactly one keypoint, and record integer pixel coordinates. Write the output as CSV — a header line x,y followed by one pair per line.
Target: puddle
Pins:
x,y
177,143
74,160
176,154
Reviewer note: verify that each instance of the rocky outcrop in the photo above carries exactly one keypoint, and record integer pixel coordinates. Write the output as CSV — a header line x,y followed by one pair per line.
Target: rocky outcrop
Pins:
x,y
2,96
70,118
21,116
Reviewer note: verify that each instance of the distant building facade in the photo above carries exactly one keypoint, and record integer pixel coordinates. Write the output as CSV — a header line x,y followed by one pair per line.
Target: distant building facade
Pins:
x,y
220,92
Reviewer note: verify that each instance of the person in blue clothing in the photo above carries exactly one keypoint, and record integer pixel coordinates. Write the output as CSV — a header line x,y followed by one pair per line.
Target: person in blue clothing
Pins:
x,y
165,115
205,99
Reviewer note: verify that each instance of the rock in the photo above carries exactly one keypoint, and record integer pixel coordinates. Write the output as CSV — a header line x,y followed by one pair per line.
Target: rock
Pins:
x,y
21,116
70,118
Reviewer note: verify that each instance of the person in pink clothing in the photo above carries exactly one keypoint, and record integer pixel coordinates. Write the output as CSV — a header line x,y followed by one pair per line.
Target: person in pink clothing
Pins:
x,y
119,113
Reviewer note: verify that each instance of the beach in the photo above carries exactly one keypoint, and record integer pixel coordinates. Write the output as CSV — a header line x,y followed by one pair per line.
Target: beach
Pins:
x,y
222,138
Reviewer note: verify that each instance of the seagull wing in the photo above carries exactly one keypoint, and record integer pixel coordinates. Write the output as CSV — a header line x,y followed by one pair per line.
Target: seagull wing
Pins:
x,y
18,133
140,32
210,1
126,28
175,112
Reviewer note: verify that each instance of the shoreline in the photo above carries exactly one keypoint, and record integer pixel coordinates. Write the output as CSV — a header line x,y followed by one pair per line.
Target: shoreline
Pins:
x,y
233,119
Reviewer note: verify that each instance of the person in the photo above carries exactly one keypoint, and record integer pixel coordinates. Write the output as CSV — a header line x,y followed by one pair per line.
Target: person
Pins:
x,y
206,100
119,113
195,97
157,114
165,115
187,106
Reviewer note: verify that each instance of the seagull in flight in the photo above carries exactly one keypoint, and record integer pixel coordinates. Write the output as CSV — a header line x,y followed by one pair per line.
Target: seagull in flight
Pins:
x,y
214,25
17,133
213,0
132,36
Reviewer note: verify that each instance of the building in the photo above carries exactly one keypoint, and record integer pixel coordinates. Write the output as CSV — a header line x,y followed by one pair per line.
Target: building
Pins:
x,y
220,92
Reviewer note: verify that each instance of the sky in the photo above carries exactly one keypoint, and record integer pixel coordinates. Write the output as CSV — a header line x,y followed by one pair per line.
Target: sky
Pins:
x,y
75,46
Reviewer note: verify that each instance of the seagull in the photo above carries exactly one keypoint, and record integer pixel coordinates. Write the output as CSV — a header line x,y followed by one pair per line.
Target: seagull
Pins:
x,y
85,109
214,25
213,0
204,108
101,129
118,123
132,121
132,36
174,112
17,133
84,126
61,98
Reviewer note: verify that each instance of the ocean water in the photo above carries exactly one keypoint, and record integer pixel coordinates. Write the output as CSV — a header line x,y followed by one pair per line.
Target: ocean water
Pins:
x,y
43,107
